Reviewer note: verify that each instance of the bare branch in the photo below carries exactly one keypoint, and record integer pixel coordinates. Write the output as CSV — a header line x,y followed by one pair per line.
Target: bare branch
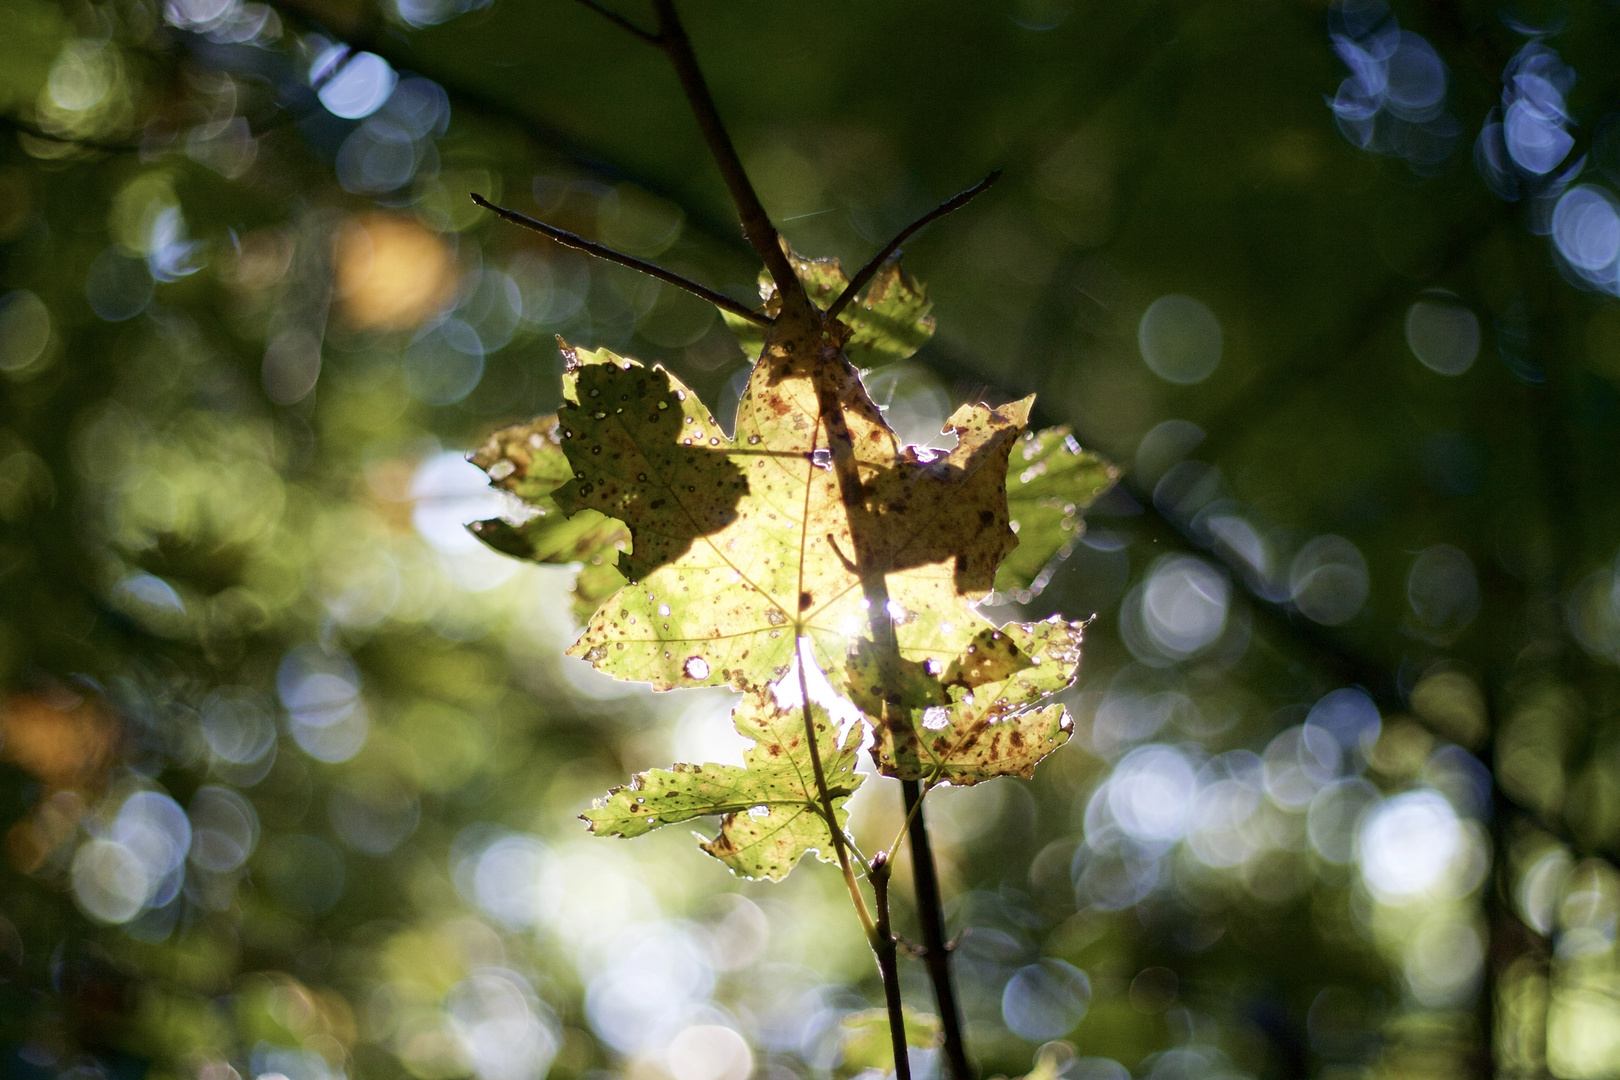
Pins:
x,y
579,243
623,23
884,943
955,202
756,224
936,951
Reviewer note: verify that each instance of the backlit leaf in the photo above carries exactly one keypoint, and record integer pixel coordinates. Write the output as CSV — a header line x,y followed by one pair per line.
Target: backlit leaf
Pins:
x,y
868,1046
738,544
889,321
993,724
1050,483
772,815
527,461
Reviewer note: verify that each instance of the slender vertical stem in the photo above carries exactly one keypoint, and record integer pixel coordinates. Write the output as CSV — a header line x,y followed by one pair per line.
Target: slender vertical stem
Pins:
x,y
875,589
936,950
889,963
756,224
830,813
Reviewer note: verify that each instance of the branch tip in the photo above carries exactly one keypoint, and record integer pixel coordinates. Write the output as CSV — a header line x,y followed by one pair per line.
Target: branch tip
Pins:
x,y
601,251
623,23
955,202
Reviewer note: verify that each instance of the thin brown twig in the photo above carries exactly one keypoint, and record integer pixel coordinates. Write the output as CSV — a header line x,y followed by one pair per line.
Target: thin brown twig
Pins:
x,y
826,809
756,223
936,950
761,234
912,810
889,963
955,202
823,793
590,247
623,23
896,716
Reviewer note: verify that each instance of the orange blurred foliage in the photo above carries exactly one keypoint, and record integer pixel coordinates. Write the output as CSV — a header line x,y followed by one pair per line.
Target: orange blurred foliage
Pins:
x,y
64,740
67,742
391,272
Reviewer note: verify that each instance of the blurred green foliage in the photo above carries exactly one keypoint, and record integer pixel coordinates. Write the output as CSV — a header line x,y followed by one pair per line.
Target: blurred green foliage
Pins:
x,y
292,762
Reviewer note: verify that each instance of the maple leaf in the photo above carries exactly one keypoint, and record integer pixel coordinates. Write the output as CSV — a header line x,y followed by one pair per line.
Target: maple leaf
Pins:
x,y
809,520
1050,483
527,461
889,322
740,545
771,806
988,720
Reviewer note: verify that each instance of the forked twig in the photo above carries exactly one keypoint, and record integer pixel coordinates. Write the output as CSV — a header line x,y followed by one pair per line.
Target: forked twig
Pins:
x,y
589,247
623,23
955,202
671,39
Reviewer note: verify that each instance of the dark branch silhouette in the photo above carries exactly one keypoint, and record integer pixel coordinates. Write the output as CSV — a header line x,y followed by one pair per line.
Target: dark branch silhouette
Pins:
x,y
589,247
955,202
756,224
623,23
671,39
935,951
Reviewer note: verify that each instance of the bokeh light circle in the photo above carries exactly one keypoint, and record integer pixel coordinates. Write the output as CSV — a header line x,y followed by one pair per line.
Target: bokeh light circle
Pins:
x,y
505,1032
1443,335
25,329
1416,84
224,829
1329,580
510,878
445,363
1298,763
1536,141
709,1052
1443,588
1045,1000
321,692
356,84
1151,794
1408,843
153,826
109,881
1586,227
117,286
1184,604
1180,339
1349,716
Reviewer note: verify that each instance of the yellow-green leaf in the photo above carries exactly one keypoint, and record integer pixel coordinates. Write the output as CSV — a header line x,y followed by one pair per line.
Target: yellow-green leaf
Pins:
x,y
772,814
889,321
994,724
527,461
868,1046
1050,483
739,545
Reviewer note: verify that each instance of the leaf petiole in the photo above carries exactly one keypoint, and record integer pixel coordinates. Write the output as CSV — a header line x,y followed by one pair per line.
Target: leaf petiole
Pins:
x,y
887,855
840,844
